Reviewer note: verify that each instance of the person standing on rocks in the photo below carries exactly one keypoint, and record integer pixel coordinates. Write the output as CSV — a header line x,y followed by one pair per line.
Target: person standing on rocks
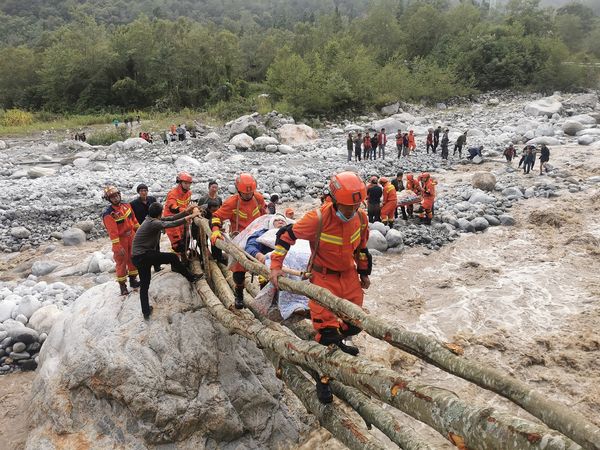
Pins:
x,y
367,146
510,152
212,194
436,138
429,140
340,262
398,184
399,141
241,209
529,159
428,191
544,157
381,142
350,146
357,147
390,202
445,142
374,144
374,193
120,223
141,204
178,199
405,143
146,242
458,145
412,145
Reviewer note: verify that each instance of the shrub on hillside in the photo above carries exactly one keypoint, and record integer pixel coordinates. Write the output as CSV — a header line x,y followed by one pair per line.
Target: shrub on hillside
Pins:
x,y
108,137
15,118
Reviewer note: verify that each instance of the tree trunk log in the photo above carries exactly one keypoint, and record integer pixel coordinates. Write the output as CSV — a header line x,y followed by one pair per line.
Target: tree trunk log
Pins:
x,y
477,427
548,411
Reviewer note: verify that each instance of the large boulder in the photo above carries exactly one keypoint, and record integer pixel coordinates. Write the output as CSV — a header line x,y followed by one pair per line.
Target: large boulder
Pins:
x,y
586,139
39,172
20,232
245,124
545,129
571,127
44,318
390,109
242,141
134,143
296,134
179,380
394,238
582,101
485,181
544,107
261,142
548,140
73,236
584,119
28,306
479,223
377,241
188,164
41,268
481,197
589,132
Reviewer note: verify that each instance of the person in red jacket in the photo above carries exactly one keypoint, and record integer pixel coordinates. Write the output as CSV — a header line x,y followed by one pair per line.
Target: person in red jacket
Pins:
x,y
412,185
429,140
390,202
428,189
340,262
178,199
240,209
121,225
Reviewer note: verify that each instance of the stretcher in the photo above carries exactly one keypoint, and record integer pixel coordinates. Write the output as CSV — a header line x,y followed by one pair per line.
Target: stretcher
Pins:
x,y
408,198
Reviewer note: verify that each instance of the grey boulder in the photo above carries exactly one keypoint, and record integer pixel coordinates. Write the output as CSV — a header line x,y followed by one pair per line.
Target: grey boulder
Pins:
x,y
480,223
73,236
485,181
394,238
377,241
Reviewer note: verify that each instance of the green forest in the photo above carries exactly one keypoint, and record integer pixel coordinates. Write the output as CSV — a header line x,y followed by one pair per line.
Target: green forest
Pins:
x,y
311,56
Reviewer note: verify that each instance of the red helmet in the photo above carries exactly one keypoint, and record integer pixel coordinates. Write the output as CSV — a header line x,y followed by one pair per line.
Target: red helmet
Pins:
x,y
184,176
245,183
109,191
347,188
383,180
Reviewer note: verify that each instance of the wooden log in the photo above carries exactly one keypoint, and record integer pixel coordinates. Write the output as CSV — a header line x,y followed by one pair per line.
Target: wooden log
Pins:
x,y
554,414
472,426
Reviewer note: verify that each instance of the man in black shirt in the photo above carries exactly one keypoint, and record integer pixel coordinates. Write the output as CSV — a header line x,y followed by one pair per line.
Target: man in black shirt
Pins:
x,y
436,138
141,204
145,255
213,194
374,193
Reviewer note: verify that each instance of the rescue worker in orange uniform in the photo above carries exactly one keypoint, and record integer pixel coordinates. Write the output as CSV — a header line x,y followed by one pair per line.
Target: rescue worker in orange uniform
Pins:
x,y
121,225
340,262
240,209
412,145
428,190
390,202
412,185
178,199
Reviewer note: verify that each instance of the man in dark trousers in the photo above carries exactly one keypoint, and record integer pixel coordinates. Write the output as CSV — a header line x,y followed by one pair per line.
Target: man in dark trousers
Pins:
x,y
374,193
462,140
145,255
398,183
436,138
357,148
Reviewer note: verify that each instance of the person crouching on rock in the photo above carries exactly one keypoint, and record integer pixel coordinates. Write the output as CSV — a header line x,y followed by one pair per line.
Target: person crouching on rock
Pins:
x,y
121,225
146,242
338,232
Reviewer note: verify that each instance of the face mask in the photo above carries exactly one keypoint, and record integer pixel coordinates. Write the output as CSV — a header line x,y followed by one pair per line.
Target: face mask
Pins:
x,y
343,218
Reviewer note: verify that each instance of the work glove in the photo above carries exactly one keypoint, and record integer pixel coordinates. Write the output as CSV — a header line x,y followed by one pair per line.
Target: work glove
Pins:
x,y
214,236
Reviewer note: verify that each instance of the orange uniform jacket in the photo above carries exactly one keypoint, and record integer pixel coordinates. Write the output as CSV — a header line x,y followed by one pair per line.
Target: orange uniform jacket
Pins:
x,y
338,244
241,213
177,201
121,225
428,194
413,185
390,202
411,141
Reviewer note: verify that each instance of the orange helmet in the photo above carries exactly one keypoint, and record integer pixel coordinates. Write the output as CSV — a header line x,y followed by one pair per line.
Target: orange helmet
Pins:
x,y
383,180
347,188
184,176
110,190
424,176
410,176
245,183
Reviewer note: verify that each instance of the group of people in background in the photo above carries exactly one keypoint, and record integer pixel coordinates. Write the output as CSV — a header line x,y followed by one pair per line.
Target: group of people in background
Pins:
x,y
370,147
528,157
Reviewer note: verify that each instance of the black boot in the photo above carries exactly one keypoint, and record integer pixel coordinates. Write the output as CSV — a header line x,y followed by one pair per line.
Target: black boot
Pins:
x,y
333,336
147,316
239,297
123,287
133,282
324,393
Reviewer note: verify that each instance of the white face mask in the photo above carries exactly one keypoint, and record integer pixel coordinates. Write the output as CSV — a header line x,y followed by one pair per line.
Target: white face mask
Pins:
x,y
343,218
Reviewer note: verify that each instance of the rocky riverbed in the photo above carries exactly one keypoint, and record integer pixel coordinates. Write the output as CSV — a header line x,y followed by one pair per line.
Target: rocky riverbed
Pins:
x,y
507,268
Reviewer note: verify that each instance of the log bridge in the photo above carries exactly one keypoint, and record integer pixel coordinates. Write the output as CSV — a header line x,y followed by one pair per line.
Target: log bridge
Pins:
x,y
367,392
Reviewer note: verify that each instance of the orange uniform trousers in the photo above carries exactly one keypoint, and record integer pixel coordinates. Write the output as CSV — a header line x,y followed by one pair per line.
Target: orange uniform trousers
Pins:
x,y
345,285
124,263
